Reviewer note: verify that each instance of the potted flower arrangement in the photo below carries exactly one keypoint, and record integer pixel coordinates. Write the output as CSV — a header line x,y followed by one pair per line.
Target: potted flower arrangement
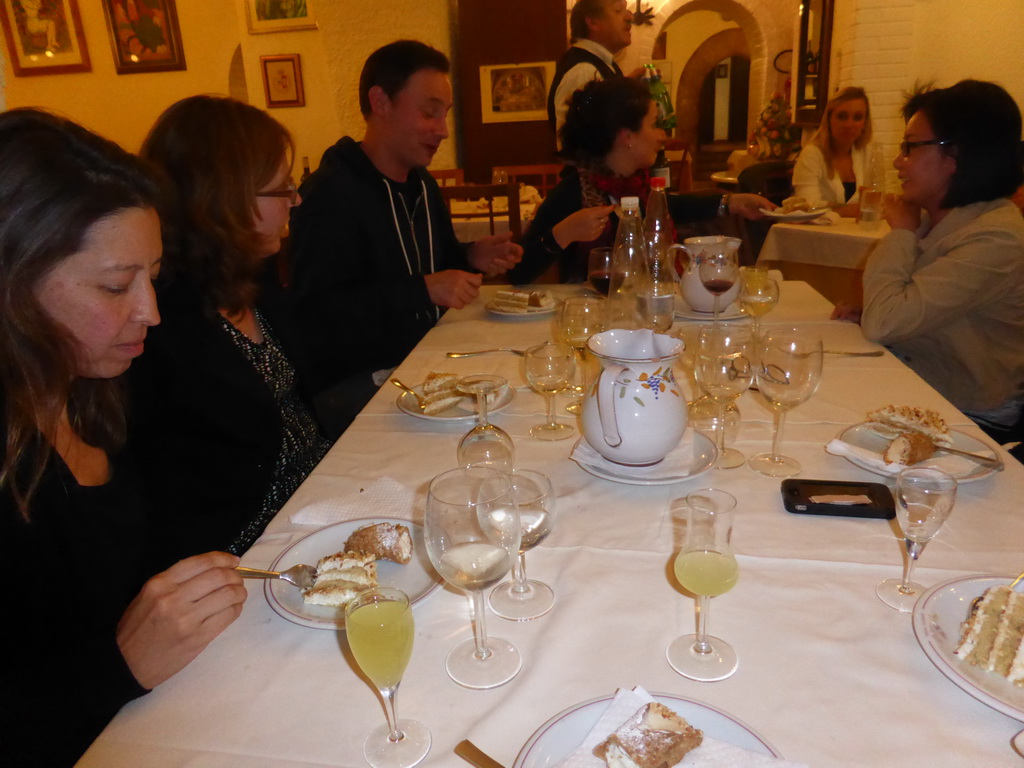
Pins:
x,y
774,134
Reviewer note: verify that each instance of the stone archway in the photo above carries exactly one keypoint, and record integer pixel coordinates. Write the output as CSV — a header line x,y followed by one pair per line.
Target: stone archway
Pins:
x,y
723,45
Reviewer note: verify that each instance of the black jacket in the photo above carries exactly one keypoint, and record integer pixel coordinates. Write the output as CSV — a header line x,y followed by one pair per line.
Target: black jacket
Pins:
x,y
358,264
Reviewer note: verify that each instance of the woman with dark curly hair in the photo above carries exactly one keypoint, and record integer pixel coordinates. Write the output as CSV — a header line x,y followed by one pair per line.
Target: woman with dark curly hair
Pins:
x,y
945,288
609,142
220,418
79,246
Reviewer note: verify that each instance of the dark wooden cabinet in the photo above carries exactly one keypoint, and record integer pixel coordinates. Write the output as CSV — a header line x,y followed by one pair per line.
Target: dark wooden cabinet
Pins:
x,y
494,32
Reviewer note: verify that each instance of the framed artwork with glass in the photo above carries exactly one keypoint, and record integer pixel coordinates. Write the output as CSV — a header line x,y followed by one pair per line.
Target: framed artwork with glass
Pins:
x,y
144,37
44,37
265,16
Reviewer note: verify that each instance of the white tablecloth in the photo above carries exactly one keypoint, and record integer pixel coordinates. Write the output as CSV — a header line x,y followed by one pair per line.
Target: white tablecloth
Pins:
x,y
827,673
845,244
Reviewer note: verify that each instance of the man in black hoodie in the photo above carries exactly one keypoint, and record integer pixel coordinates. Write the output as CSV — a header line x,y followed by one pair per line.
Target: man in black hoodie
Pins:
x,y
375,258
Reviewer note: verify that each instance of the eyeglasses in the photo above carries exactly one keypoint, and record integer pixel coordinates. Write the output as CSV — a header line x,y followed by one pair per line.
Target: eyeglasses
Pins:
x,y
906,146
289,190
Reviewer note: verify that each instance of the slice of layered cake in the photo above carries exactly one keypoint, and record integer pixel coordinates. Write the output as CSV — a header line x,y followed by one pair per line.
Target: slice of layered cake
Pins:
x,y
440,393
652,738
522,301
992,634
340,577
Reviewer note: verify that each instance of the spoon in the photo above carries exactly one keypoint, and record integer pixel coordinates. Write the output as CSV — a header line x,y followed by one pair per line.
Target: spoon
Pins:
x,y
985,461
411,391
519,352
301,576
471,753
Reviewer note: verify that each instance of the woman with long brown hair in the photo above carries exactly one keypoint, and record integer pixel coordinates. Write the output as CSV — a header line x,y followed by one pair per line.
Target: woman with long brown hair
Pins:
x,y
79,245
834,165
220,418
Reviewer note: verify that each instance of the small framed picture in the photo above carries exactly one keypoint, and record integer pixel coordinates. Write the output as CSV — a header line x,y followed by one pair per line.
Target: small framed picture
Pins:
x,y
144,37
515,92
722,71
282,80
278,16
44,37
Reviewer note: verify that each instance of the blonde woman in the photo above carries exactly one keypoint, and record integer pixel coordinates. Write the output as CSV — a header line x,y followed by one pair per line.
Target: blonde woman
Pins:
x,y
834,165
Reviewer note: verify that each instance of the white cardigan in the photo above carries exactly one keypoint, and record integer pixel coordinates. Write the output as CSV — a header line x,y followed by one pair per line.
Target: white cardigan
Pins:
x,y
810,176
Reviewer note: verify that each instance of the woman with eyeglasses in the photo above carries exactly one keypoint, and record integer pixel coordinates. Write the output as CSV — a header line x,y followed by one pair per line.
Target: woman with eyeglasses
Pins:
x,y
834,165
220,421
944,290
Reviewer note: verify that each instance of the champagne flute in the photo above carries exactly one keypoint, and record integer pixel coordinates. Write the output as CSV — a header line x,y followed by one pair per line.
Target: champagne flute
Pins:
x,y
472,533
758,296
521,599
485,444
549,370
723,369
379,626
925,498
707,567
579,318
788,371
718,273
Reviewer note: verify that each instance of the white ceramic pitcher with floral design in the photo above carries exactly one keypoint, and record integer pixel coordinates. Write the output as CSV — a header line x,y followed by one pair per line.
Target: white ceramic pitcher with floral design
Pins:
x,y
694,293
634,413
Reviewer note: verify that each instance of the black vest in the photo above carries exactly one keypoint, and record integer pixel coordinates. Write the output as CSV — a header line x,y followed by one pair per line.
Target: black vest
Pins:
x,y
570,59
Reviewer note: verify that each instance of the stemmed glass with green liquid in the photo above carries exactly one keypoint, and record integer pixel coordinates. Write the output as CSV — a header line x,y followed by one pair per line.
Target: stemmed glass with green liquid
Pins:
x,y
379,626
706,567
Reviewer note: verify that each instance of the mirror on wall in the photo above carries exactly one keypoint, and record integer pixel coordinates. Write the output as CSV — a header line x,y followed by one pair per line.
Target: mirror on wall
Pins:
x,y
812,60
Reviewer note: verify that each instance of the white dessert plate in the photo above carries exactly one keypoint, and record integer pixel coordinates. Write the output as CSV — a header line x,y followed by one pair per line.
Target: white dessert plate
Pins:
x,y
465,411
684,311
795,215
704,455
560,735
528,312
937,617
416,578
862,436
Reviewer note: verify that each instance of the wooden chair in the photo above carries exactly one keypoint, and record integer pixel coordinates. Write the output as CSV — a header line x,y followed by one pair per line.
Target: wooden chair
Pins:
x,y
543,177
681,164
488,192
448,176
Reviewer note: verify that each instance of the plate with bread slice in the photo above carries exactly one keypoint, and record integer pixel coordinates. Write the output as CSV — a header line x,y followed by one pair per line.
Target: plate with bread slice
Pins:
x,y
898,436
795,209
351,555
444,401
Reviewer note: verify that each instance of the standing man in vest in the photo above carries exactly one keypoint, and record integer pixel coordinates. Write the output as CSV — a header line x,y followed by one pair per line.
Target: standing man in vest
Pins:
x,y
599,30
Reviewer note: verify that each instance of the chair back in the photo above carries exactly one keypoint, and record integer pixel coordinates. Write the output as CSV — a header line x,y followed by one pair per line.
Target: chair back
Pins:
x,y
487,192
446,177
543,177
680,164
772,179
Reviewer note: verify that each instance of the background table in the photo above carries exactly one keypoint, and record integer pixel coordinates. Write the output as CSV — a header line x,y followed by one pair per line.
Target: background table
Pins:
x,y
829,257
827,673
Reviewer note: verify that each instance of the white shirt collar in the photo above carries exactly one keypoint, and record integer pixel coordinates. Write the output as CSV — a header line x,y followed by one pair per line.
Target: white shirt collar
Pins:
x,y
597,49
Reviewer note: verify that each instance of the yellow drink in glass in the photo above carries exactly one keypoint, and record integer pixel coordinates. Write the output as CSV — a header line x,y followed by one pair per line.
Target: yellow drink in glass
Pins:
x,y
705,572
380,635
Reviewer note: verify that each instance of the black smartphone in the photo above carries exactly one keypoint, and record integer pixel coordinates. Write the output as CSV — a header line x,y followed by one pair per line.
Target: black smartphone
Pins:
x,y
838,498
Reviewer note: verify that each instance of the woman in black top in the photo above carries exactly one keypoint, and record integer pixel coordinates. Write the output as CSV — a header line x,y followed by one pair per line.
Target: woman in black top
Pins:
x,y
220,422
609,141
92,626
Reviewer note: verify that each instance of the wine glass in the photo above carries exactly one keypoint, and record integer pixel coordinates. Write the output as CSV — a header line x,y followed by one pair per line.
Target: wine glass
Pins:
x,y
379,626
485,444
718,273
925,498
579,318
599,269
788,371
707,567
723,369
758,296
549,370
521,599
472,533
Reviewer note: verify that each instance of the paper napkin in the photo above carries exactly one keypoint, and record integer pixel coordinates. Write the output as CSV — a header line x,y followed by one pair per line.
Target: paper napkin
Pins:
x,y
953,465
382,497
827,218
710,754
677,463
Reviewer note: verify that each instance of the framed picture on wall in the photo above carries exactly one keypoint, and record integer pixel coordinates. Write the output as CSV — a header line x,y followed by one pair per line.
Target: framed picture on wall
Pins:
x,y
515,92
144,36
44,37
279,15
282,80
